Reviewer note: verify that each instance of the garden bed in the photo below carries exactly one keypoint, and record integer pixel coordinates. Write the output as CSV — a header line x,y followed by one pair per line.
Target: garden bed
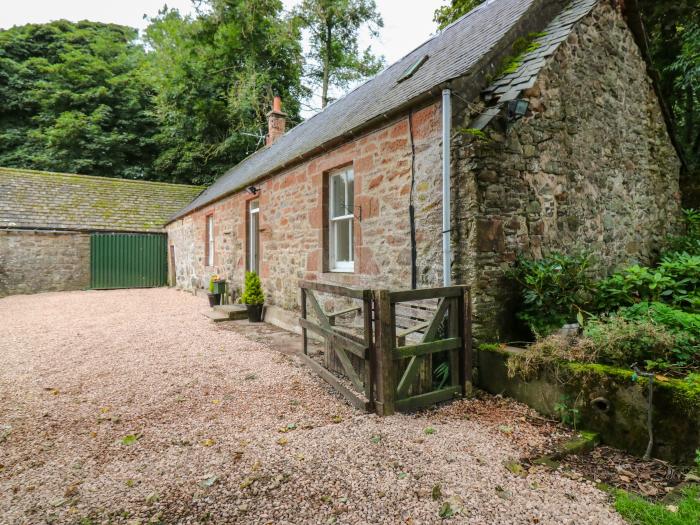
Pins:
x,y
604,399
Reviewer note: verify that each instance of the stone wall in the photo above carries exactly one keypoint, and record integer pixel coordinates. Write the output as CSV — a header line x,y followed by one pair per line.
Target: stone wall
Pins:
x,y
293,221
38,261
591,167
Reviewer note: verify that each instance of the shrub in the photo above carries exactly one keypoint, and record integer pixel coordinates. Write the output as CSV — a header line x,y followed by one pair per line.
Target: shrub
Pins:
x,y
212,280
689,242
550,351
674,281
253,293
554,290
683,326
622,342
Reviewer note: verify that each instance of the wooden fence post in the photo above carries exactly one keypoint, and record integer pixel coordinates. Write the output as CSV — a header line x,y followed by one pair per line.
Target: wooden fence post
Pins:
x,y
468,365
384,349
304,336
371,361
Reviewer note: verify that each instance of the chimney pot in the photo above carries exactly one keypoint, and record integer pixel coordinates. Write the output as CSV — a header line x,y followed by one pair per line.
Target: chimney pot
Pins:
x,y
276,122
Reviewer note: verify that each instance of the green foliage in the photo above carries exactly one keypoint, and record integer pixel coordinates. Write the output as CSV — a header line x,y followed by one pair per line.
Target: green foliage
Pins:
x,y
475,133
441,374
253,293
447,14
674,281
521,47
622,342
555,290
684,327
638,511
674,31
214,77
689,242
334,27
76,98
567,412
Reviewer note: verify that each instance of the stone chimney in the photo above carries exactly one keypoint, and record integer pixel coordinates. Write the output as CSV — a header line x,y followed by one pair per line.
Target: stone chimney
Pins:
x,y
276,122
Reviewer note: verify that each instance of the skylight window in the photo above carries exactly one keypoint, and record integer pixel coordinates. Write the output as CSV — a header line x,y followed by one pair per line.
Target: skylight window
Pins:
x,y
412,69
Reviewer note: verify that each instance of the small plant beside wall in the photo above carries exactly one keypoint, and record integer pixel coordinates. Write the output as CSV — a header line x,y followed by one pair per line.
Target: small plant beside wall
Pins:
x,y
214,297
253,297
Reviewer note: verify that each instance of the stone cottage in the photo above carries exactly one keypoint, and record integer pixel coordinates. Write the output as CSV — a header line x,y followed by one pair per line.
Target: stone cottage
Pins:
x,y
49,223
524,127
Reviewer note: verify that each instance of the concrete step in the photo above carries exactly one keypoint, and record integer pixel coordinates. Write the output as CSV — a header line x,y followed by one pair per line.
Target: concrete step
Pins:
x,y
234,311
215,316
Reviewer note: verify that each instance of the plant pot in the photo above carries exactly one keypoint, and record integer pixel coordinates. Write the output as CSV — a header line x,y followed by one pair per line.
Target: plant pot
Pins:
x,y
220,286
214,299
254,312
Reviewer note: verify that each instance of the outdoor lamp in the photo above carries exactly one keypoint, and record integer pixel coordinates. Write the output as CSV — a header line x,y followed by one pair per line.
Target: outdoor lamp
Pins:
x,y
517,108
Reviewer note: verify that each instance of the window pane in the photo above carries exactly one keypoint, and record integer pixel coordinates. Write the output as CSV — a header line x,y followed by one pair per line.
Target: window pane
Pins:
x,y
343,236
338,196
351,191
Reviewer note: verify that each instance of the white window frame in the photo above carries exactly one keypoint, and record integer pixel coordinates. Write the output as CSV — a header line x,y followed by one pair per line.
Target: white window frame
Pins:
x,y
349,215
253,236
210,240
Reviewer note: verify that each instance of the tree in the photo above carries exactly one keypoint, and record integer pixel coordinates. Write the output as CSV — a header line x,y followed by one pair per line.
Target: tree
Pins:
x,y
75,99
674,34
215,76
447,14
335,57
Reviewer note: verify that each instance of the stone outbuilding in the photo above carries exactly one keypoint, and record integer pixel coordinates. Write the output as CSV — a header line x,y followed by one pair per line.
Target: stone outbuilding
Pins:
x,y
525,127
51,225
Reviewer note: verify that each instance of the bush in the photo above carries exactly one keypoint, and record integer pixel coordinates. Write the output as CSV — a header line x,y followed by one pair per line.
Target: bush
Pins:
x,y
622,342
689,242
253,293
684,326
213,279
554,290
674,281
550,351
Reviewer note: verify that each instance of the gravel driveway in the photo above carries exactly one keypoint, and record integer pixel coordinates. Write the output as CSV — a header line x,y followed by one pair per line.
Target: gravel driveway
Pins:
x,y
128,406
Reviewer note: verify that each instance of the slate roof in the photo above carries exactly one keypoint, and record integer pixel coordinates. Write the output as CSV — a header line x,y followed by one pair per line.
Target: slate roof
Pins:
x,y
510,86
64,201
452,53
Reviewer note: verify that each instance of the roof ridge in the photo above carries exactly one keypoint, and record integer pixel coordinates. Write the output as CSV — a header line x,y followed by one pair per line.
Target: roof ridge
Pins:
x,y
95,177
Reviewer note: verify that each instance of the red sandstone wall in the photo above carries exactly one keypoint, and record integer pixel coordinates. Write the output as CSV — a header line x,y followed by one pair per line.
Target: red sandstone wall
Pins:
x,y
292,217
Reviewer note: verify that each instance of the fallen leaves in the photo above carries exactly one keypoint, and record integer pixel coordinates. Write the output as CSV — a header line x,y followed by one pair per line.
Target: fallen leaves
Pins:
x,y
130,439
516,468
209,442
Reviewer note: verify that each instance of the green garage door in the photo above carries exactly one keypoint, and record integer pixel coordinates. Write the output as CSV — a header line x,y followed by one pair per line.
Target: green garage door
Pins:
x,y
122,260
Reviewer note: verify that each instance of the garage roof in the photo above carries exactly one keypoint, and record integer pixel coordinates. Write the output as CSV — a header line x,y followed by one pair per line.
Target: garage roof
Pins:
x,y
65,201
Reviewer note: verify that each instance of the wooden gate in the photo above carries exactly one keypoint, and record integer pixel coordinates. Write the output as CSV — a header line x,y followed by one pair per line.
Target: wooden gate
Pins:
x,y
406,367
388,356
349,348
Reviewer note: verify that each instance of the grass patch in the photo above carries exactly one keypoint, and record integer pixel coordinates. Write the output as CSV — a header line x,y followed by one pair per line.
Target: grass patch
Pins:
x,y
638,511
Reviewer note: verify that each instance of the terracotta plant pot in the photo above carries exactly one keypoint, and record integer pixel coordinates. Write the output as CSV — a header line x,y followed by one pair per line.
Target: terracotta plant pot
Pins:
x,y
214,299
254,312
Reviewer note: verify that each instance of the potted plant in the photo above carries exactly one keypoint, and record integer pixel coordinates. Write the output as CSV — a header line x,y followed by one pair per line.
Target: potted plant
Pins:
x,y
214,298
253,297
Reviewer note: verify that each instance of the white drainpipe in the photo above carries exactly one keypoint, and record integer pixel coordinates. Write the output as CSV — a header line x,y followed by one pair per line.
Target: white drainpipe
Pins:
x,y
446,133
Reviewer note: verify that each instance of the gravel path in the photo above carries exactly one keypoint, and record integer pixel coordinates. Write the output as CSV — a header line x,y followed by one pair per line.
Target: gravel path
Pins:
x,y
130,407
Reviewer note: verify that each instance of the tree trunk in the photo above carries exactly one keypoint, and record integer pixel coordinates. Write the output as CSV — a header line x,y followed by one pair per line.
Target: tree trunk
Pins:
x,y
327,65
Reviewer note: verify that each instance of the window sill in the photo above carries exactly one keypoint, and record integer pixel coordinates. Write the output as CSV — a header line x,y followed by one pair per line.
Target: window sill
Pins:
x,y
341,270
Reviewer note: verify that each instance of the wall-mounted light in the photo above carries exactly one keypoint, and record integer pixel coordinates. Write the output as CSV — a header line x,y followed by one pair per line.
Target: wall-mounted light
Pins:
x,y
252,190
517,108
